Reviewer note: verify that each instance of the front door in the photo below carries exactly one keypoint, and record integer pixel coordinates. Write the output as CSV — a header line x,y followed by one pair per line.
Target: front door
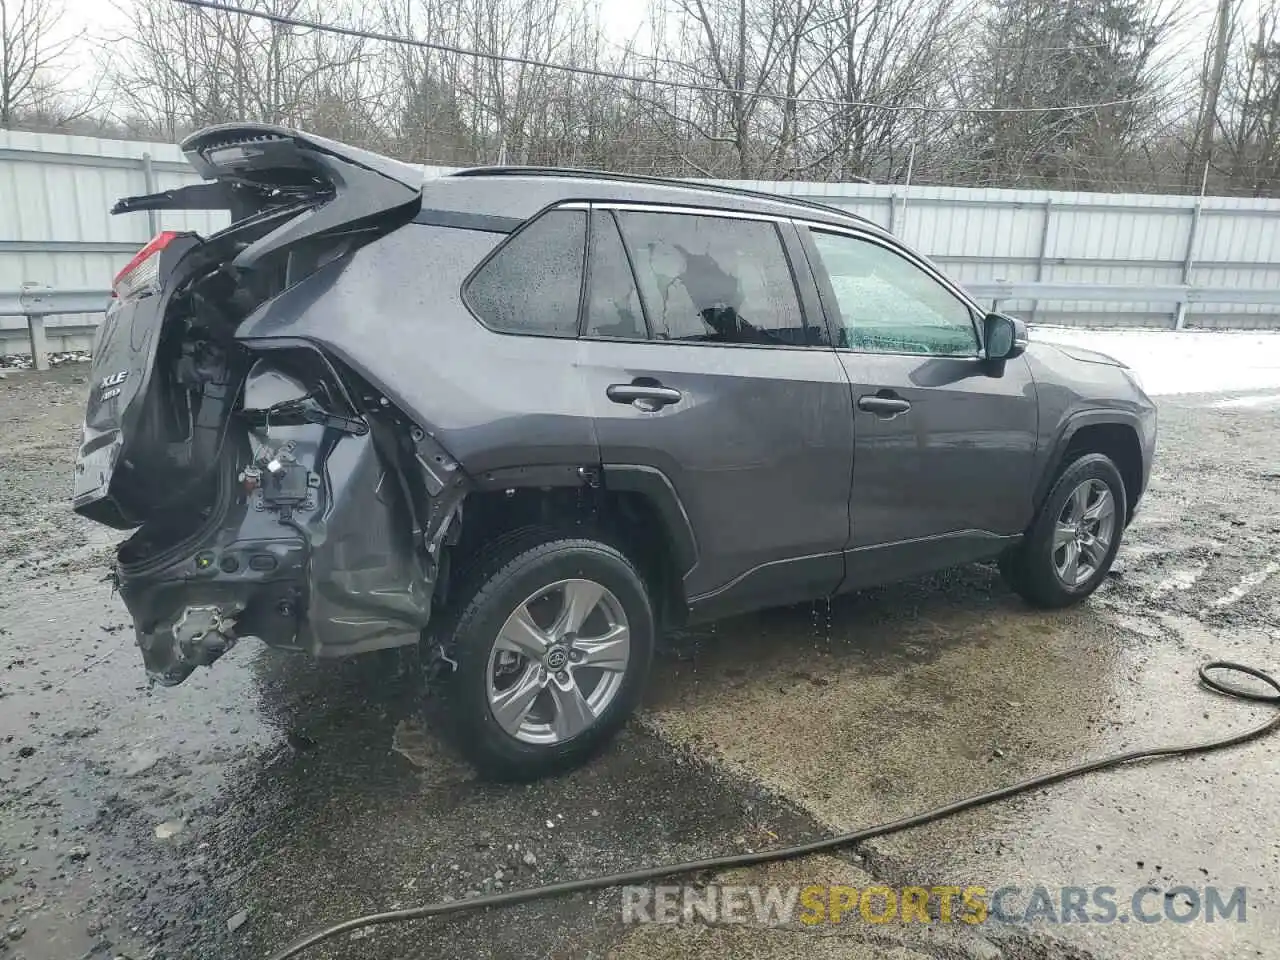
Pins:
x,y
945,441
707,376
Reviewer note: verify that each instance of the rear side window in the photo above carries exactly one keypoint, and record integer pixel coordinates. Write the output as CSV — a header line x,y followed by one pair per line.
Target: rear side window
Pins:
x,y
533,284
714,279
613,302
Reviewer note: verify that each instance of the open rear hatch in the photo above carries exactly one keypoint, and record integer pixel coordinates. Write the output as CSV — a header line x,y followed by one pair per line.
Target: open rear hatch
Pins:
x,y
250,469
165,364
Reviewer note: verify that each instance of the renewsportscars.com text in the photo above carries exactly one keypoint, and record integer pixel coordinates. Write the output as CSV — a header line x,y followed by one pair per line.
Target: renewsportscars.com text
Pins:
x,y
815,904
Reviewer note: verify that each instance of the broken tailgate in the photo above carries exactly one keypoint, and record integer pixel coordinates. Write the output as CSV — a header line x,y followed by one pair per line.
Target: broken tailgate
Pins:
x,y
166,370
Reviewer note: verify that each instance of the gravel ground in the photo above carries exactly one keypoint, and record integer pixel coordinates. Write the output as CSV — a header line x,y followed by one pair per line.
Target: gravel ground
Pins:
x,y
269,795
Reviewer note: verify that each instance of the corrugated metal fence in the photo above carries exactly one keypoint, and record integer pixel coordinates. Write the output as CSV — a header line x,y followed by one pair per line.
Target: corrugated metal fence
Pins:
x,y
55,192
1038,235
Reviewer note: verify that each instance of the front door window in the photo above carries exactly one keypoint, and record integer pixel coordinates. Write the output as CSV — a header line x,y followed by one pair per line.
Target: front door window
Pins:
x,y
884,303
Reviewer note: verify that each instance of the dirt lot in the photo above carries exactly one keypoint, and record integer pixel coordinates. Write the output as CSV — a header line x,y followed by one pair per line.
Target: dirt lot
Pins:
x,y
267,796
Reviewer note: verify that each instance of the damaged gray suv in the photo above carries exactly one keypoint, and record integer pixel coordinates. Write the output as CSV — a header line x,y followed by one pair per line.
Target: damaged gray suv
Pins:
x,y
531,418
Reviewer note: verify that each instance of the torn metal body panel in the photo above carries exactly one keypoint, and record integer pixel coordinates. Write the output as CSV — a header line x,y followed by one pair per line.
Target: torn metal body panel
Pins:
x,y
310,545
272,492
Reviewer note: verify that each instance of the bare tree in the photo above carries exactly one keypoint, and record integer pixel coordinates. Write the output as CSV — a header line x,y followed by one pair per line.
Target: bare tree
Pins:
x,y
29,54
893,58
1216,49
743,56
773,89
178,67
1044,53
1249,109
815,88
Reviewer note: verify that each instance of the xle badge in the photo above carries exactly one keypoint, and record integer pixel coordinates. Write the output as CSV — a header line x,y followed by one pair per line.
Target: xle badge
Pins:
x,y
110,386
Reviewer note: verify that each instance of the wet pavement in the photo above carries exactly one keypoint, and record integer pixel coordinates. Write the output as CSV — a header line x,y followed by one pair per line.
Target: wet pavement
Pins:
x,y
269,795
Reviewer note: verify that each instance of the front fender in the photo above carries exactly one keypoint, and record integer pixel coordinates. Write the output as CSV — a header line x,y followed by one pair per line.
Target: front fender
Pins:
x,y
1142,423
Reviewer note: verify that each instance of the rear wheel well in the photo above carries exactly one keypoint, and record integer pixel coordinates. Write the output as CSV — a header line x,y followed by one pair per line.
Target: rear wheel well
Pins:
x,y
626,520
1117,441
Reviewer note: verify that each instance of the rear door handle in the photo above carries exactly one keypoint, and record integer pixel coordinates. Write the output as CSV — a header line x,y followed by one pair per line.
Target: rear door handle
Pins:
x,y
643,395
883,406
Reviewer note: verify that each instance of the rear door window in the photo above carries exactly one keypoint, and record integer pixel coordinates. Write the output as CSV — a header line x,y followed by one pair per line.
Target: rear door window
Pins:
x,y
708,279
533,284
613,301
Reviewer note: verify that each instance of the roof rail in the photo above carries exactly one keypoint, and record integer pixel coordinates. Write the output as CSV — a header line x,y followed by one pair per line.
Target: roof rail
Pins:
x,y
535,171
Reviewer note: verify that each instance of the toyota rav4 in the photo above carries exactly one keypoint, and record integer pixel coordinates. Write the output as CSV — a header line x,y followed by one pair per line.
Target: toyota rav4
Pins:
x,y
532,418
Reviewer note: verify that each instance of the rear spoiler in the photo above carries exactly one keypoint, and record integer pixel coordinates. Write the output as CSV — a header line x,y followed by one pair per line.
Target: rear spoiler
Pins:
x,y
315,186
262,157
241,149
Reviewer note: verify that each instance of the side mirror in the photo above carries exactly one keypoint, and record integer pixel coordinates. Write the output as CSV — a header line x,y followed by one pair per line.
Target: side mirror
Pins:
x,y
1005,337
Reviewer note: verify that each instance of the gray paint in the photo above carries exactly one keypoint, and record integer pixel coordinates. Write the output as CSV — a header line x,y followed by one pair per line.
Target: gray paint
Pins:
x,y
759,449
394,312
1076,387
775,470
775,480
960,459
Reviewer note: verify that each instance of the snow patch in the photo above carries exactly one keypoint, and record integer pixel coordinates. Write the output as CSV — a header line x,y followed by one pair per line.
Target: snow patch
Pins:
x,y
1247,583
1178,580
1258,401
1185,361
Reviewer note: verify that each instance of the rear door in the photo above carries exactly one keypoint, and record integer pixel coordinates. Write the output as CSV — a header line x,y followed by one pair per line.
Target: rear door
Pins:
x,y
945,440
705,378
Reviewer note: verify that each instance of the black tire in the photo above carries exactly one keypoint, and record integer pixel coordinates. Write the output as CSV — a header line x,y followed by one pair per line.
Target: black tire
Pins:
x,y
1030,568
501,582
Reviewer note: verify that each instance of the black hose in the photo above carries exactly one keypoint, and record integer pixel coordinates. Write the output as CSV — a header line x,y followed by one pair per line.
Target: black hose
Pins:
x,y
646,874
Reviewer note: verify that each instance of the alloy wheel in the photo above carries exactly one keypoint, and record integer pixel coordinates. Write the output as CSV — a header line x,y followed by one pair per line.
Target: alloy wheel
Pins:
x,y
1083,533
558,662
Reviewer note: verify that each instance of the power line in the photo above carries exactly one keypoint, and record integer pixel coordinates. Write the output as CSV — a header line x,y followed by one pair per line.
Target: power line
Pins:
x,y
289,21
1062,49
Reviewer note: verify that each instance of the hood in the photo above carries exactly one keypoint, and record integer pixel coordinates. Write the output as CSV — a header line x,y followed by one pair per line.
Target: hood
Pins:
x,y
1078,353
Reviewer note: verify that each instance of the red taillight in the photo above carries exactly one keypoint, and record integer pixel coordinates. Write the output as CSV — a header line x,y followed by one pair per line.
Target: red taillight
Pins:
x,y
142,272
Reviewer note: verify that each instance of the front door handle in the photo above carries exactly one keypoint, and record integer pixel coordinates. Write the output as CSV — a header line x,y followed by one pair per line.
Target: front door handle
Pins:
x,y
646,396
883,406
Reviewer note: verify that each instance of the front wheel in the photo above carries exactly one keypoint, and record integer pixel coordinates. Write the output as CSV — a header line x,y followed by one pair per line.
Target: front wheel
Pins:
x,y
553,646
1073,540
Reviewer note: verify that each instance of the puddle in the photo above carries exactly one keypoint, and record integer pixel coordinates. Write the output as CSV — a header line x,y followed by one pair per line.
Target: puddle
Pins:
x,y
1177,580
904,699
909,701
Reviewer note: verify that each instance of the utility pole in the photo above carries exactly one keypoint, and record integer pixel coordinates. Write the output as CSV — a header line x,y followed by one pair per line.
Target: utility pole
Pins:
x,y
1203,152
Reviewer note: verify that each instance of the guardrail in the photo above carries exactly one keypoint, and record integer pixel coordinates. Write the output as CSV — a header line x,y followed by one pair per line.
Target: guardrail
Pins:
x,y
1176,293
35,302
